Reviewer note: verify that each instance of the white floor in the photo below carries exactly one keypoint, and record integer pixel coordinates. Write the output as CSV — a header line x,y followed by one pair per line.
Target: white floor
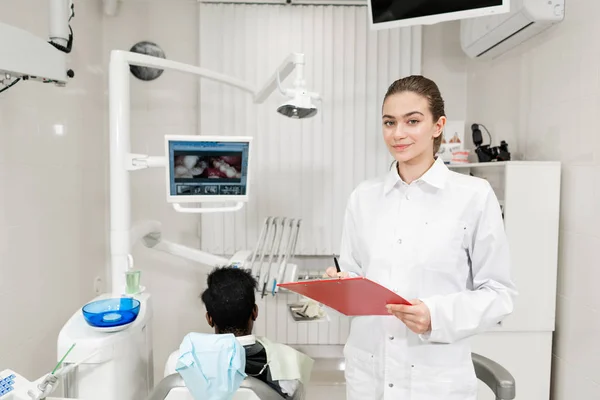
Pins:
x,y
316,392
327,379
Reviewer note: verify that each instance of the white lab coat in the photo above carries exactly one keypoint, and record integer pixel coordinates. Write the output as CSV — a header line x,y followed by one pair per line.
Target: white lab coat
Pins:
x,y
440,239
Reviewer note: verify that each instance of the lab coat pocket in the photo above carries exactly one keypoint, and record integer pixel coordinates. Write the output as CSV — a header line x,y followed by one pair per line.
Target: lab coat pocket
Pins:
x,y
442,245
448,383
360,374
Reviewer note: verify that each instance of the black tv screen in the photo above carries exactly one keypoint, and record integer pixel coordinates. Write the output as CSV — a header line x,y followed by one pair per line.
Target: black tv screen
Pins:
x,y
386,14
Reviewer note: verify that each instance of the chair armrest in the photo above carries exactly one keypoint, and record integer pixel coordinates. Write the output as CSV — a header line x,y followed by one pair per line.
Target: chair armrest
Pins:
x,y
168,383
495,376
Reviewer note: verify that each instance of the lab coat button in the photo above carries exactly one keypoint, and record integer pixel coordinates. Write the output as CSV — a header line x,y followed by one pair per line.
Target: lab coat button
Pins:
x,y
399,241
391,338
391,385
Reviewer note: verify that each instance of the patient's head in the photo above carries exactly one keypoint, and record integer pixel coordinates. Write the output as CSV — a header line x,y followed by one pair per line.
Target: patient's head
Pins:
x,y
229,300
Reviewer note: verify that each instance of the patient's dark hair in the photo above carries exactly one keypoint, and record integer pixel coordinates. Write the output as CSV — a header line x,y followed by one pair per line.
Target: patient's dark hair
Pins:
x,y
229,298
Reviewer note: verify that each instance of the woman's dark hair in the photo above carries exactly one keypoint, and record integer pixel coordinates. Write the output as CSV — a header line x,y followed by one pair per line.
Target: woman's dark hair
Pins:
x,y
429,90
230,298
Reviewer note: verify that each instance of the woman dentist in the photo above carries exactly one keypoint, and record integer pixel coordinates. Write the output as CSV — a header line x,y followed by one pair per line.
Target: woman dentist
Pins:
x,y
430,235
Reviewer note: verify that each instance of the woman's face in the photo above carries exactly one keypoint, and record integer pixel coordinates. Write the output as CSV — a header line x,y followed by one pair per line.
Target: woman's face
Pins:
x,y
409,128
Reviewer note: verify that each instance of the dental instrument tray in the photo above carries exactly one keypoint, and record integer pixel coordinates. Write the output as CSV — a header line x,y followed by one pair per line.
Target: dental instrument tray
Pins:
x,y
298,311
111,315
349,296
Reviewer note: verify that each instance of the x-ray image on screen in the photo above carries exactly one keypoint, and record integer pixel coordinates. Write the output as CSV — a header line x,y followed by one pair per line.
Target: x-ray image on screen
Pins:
x,y
207,168
210,166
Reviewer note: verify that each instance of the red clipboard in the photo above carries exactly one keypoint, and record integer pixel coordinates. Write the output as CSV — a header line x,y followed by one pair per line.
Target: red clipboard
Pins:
x,y
350,296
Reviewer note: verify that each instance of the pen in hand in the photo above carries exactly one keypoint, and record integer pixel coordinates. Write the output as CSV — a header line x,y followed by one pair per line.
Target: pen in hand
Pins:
x,y
337,265
336,272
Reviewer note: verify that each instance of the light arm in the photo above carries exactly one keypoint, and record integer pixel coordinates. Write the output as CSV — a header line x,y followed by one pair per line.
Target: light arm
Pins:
x,y
122,161
24,55
294,60
59,21
154,241
143,60
149,232
190,254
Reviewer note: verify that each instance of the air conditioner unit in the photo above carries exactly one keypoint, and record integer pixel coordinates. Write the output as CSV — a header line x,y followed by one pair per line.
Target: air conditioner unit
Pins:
x,y
489,37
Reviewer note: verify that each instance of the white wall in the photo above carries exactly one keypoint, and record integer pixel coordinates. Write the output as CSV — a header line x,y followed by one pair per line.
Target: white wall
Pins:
x,y
545,95
446,64
52,193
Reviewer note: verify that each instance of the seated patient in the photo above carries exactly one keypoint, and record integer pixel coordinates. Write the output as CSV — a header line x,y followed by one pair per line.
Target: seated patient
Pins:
x,y
230,308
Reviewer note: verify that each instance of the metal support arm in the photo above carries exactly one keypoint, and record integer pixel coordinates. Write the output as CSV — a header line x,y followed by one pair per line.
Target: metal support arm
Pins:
x,y
495,376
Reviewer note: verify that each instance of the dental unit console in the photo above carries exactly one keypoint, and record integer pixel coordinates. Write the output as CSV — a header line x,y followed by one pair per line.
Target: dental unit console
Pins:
x,y
211,171
15,387
26,57
8,380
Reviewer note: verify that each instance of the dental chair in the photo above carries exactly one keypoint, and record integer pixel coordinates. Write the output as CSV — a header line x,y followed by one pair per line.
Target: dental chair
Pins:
x,y
494,375
173,387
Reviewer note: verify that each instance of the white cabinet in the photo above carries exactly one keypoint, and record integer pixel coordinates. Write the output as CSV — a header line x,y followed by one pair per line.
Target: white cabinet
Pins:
x,y
529,193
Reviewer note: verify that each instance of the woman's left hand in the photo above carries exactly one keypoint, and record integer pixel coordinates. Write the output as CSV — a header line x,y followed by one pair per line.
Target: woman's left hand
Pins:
x,y
416,316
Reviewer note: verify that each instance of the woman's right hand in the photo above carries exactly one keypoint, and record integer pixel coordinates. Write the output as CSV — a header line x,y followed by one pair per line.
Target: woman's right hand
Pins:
x,y
331,272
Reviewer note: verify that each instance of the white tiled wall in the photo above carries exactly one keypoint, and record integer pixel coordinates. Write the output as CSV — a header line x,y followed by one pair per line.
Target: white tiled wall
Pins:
x,y
52,193
545,96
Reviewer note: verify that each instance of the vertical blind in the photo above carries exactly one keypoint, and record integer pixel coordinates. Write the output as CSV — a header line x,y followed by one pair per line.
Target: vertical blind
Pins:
x,y
299,168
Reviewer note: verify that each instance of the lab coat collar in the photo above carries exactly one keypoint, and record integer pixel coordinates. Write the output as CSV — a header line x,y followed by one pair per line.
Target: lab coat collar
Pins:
x,y
247,340
435,176
391,179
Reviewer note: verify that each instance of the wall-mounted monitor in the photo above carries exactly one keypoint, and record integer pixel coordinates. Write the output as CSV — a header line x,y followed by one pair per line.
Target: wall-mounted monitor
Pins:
x,y
207,168
387,14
